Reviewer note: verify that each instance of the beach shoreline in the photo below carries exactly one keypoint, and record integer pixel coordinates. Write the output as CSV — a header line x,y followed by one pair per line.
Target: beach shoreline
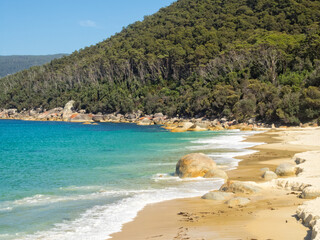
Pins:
x,y
173,124
272,214
160,184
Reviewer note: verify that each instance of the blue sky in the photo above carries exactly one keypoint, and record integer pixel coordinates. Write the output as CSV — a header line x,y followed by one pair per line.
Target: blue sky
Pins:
x,y
36,27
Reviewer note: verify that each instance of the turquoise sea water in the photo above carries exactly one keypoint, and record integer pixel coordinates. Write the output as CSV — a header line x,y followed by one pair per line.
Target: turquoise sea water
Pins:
x,y
72,181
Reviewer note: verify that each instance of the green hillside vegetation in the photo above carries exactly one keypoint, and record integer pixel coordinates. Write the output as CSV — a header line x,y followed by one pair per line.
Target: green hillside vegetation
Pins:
x,y
16,63
233,58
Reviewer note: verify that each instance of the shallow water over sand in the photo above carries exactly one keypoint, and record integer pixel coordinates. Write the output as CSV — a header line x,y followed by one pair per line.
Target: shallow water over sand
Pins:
x,y
72,181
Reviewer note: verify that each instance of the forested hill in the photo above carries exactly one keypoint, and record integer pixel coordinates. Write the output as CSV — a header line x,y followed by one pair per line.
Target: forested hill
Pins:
x,y
233,58
16,63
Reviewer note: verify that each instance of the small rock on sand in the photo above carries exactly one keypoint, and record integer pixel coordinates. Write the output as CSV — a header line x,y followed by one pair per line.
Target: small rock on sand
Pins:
x,y
219,196
286,169
269,175
238,201
240,187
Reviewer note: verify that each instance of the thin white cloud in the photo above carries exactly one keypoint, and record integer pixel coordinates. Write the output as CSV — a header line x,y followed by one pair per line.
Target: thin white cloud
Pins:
x,y
88,23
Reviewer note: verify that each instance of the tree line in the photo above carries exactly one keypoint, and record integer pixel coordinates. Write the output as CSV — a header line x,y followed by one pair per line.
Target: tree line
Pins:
x,y
235,58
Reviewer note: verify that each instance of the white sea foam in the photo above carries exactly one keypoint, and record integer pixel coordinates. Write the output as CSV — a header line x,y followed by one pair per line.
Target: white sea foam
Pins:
x,y
228,159
231,154
226,147
5,209
232,140
165,177
78,188
101,221
4,236
164,164
40,199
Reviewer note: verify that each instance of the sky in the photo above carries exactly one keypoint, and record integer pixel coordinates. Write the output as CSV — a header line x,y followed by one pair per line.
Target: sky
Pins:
x,y
40,27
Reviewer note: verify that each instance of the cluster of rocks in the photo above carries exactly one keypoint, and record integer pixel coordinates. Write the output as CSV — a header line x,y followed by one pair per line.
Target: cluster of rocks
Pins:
x,y
308,186
289,170
283,170
200,165
69,114
238,194
234,192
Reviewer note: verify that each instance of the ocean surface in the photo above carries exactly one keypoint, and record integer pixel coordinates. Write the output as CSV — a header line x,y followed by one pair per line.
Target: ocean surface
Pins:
x,y
73,181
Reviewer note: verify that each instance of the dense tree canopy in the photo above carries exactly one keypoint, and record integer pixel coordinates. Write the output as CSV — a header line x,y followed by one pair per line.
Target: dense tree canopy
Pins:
x,y
233,58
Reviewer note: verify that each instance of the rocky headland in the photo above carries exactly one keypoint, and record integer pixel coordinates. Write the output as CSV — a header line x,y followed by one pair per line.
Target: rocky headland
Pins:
x,y
175,124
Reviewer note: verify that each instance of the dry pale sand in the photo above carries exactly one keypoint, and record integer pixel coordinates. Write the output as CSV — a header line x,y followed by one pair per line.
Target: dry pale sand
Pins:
x,y
270,215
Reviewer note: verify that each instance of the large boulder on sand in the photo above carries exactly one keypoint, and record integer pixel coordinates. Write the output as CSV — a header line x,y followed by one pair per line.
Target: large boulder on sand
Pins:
x,y
194,165
240,187
269,175
286,169
219,196
216,173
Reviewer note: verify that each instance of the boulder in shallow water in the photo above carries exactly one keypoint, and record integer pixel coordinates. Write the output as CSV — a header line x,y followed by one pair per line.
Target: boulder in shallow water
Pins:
x,y
238,201
170,126
269,175
219,196
216,128
240,187
196,128
194,165
216,173
286,169
182,127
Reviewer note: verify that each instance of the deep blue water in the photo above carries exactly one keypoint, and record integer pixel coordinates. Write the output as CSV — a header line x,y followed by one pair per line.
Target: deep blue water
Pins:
x,y
73,181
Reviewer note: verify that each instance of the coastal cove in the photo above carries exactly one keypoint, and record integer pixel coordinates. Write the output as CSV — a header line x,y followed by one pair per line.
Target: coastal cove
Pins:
x,y
91,179
279,210
160,120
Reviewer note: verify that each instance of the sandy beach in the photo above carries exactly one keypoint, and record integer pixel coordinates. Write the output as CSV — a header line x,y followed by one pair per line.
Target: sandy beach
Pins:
x,y
275,212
